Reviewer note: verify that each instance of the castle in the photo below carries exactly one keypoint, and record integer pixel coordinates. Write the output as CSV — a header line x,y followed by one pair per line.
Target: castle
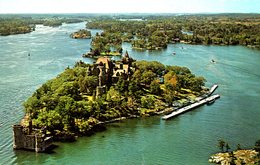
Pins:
x,y
108,71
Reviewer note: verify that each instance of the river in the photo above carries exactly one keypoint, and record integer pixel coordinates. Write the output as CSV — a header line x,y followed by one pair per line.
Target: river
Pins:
x,y
187,139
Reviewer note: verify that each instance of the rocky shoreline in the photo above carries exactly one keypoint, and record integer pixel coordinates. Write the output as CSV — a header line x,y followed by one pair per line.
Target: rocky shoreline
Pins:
x,y
236,157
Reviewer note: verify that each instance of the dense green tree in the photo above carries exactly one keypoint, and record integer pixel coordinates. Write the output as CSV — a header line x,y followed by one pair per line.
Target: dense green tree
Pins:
x,y
70,89
154,66
137,76
31,103
221,144
87,84
195,83
227,147
113,96
155,88
52,119
148,77
147,101
171,81
134,89
257,145
121,85
238,147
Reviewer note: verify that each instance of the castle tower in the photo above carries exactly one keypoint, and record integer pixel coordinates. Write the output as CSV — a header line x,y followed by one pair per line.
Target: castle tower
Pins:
x,y
101,88
126,54
18,137
101,76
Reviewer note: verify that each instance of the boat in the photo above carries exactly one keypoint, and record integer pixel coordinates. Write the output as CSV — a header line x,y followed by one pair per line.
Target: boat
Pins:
x,y
211,102
174,53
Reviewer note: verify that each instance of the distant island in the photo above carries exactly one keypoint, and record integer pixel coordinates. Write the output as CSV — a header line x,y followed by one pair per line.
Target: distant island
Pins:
x,y
11,26
21,24
156,32
82,99
151,32
81,34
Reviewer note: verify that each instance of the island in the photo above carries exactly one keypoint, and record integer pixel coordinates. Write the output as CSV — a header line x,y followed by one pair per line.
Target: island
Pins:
x,y
156,32
23,23
11,26
81,34
238,156
82,99
105,44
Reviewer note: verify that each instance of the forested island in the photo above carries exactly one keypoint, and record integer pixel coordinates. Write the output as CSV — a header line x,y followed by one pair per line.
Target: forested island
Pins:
x,y
149,31
155,32
20,24
105,44
81,34
86,96
15,26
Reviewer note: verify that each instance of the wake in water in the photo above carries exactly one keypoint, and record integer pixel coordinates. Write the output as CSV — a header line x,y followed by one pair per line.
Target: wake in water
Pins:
x,y
239,68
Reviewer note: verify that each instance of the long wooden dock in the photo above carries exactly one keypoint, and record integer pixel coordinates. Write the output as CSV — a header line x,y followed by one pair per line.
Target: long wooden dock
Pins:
x,y
189,107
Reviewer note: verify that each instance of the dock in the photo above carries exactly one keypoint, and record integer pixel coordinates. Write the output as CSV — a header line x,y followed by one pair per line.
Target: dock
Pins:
x,y
190,107
212,89
201,101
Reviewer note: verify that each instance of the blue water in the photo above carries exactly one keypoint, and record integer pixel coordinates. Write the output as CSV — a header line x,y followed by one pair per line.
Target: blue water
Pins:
x,y
187,139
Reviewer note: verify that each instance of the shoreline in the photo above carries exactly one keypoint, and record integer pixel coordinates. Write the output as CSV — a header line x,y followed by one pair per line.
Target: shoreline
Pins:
x,y
101,125
90,55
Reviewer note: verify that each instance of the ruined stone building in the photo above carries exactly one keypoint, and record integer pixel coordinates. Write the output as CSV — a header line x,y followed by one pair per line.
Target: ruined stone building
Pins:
x,y
25,139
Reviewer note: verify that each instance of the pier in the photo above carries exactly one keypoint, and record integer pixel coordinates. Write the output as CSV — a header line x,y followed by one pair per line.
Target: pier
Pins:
x,y
189,107
209,99
212,89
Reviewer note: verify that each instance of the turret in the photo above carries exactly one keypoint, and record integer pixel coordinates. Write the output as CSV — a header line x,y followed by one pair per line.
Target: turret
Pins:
x,y
18,137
